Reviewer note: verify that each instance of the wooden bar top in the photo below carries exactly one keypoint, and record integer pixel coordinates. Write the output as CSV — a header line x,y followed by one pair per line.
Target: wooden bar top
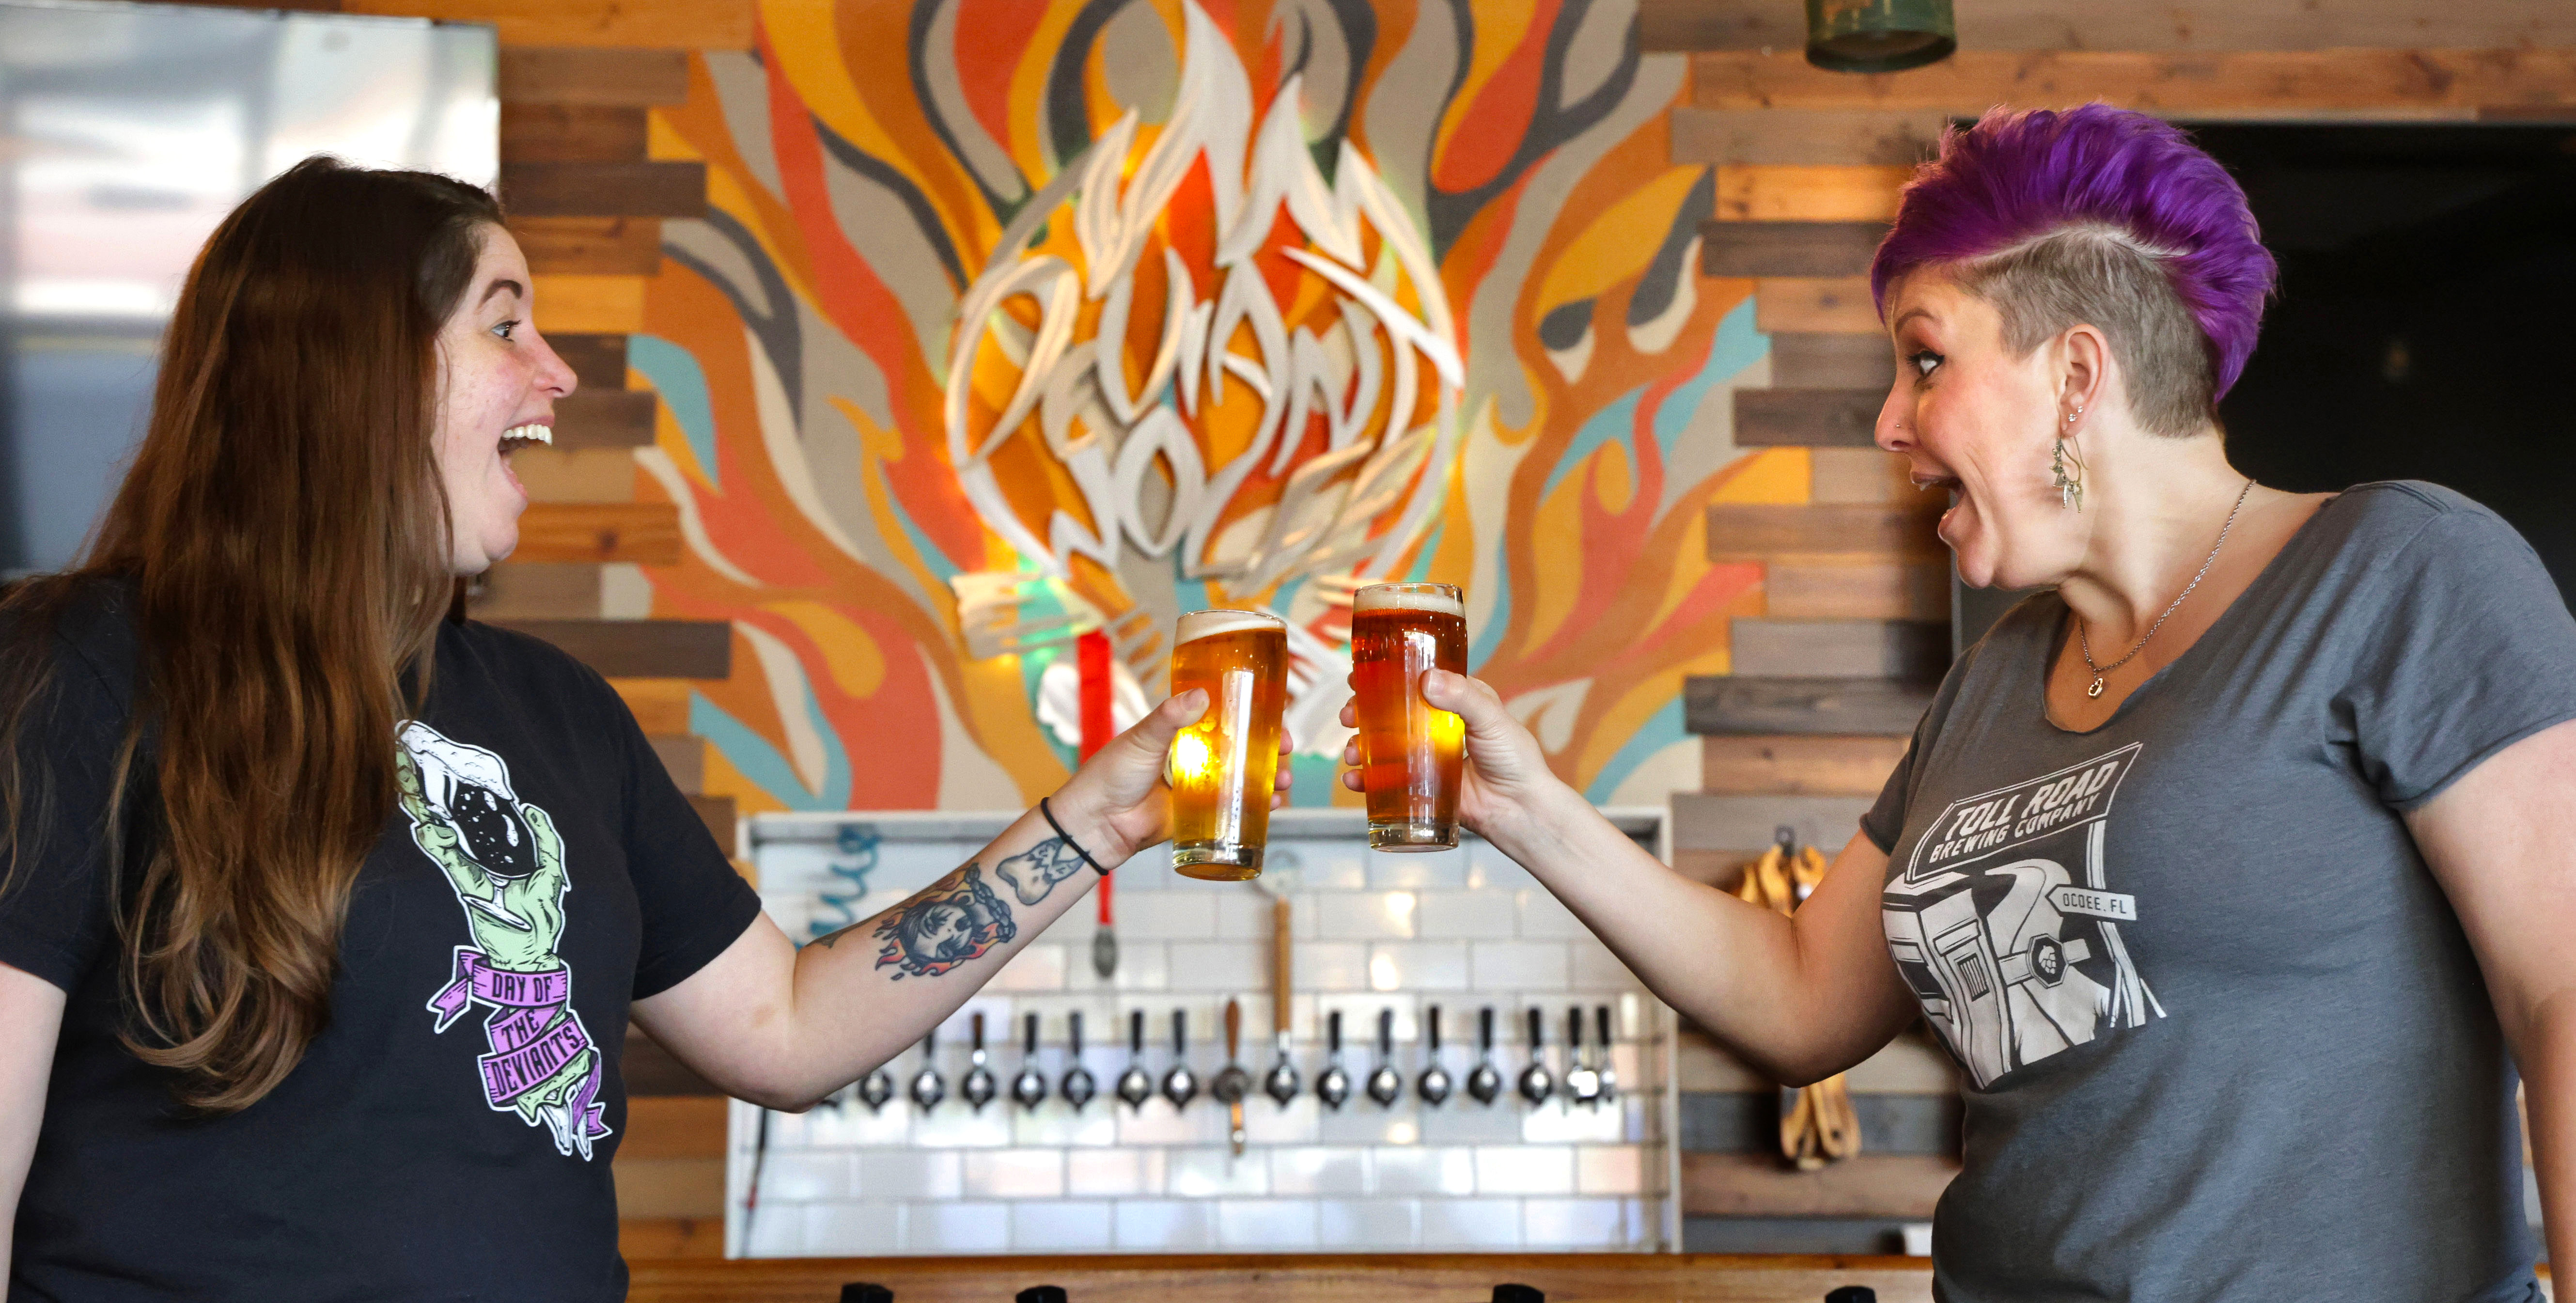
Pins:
x,y
1292,1278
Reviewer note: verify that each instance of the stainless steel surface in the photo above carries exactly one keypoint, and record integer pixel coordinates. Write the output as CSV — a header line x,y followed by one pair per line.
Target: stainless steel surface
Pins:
x,y
1029,1089
875,1089
1180,1085
1537,1083
1434,1083
1334,1086
1486,1081
1282,1081
1385,1085
126,133
979,1087
1134,1086
1078,1087
928,1087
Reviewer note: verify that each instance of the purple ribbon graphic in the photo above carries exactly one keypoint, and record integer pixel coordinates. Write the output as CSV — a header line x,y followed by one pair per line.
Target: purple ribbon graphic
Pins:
x,y
533,1032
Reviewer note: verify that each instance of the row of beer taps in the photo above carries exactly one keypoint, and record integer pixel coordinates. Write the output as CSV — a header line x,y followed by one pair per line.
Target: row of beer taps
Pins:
x,y
1590,1078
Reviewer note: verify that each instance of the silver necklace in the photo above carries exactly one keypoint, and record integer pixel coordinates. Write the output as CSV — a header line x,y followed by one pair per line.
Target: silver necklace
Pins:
x,y
2084,639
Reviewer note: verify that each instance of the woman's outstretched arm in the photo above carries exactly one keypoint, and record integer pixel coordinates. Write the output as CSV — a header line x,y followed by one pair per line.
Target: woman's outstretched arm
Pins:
x,y
1800,998
31,1009
785,1027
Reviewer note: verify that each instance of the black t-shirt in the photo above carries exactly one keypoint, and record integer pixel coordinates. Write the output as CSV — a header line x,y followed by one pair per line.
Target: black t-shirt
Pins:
x,y
449,1135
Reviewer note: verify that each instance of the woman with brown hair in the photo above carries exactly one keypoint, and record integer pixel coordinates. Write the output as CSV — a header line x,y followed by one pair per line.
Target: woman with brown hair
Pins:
x,y
323,914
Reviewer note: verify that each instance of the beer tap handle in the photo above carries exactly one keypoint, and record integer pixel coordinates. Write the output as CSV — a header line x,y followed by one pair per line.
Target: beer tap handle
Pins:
x,y
1485,1030
1601,1017
1434,1030
1537,1034
1180,1033
1386,1035
1333,1034
978,1055
1030,1049
1233,1030
1136,1033
1574,1035
1073,1034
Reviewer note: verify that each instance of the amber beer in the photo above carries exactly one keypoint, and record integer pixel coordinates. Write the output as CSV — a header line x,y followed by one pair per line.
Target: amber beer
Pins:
x,y
1410,750
1223,767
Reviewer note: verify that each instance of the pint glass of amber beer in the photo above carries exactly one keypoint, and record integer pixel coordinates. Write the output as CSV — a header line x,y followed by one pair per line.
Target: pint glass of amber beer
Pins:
x,y
1223,766
1410,750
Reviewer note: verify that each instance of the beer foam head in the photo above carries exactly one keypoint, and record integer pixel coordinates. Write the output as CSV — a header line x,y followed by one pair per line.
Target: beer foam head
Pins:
x,y
1208,624
1440,599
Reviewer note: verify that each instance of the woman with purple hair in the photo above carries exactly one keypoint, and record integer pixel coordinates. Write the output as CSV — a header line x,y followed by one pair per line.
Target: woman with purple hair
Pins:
x,y
2232,869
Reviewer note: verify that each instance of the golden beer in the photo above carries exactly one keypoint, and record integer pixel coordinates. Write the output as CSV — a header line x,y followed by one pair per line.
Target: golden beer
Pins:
x,y
1410,750
1224,766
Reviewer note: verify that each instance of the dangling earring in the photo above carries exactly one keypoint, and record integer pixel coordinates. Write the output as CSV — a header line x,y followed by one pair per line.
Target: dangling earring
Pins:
x,y
2070,488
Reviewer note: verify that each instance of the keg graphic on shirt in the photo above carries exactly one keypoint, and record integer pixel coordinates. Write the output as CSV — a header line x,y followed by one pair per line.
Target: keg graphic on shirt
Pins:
x,y
2005,925
505,860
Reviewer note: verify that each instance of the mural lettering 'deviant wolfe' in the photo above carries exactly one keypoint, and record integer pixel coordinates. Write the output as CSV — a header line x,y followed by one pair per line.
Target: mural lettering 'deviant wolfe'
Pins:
x,y
1013,317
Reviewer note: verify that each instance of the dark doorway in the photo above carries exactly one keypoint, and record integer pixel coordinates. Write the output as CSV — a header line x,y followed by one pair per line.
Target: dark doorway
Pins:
x,y
2426,327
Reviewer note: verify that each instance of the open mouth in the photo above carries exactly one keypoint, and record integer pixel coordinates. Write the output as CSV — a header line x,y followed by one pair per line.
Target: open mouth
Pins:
x,y
1924,483
521,436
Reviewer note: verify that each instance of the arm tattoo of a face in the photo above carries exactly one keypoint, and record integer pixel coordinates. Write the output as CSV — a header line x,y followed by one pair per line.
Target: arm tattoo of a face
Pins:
x,y
1034,872
954,920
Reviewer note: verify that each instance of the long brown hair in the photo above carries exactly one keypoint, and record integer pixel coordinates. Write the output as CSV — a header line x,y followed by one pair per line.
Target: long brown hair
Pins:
x,y
285,537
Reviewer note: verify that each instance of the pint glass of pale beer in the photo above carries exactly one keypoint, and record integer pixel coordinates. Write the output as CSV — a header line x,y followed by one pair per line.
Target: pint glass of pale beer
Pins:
x,y
1410,750
1223,767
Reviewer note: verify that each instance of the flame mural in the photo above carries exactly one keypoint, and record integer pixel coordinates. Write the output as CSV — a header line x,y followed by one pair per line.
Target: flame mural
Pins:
x,y
1011,319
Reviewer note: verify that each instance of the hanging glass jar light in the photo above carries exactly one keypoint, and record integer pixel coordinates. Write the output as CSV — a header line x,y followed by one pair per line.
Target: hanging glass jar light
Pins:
x,y
1879,35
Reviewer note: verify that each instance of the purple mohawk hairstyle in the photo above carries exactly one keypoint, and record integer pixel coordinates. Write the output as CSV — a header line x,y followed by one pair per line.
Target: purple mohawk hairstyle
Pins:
x,y
2017,177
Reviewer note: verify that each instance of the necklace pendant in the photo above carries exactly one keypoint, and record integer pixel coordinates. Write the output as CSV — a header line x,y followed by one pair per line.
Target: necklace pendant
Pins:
x,y
2096,689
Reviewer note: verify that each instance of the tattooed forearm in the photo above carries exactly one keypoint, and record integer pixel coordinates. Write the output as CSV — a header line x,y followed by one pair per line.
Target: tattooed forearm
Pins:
x,y
1034,872
950,922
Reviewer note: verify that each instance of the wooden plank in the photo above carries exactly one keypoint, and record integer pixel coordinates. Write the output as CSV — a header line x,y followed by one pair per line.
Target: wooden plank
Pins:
x,y
647,189
641,533
2259,81
2236,25
643,649
656,26
1729,704
686,759
1808,418
585,304
1878,590
669,1187
1861,475
1822,361
1868,1185
575,474
1291,1278
1770,192
674,1126
627,77
717,812
536,590
599,361
1840,649
1760,531
1706,822
1788,248
1851,138
572,133
590,246
659,705
607,418
1836,305
641,1239
1911,1064
1794,765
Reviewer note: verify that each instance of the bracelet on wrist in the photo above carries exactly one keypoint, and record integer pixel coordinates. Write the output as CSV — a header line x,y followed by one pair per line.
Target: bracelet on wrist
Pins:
x,y
1049,816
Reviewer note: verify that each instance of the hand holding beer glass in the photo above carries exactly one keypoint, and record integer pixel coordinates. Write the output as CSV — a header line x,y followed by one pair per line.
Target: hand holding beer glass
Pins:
x,y
1222,767
1410,750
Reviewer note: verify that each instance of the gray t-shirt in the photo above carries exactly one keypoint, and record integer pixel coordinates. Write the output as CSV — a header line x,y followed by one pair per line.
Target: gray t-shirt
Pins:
x,y
2222,1036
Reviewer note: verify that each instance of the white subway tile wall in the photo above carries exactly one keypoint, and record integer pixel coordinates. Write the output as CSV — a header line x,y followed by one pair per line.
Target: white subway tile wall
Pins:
x,y
1374,933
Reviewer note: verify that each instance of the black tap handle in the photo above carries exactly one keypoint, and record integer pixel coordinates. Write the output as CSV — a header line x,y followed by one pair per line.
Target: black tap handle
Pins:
x,y
1485,1028
1180,1031
1536,1038
1435,1029
1333,1032
1601,1020
930,1042
979,1033
1074,1033
1386,1033
1032,1050
1574,1028
1136,1032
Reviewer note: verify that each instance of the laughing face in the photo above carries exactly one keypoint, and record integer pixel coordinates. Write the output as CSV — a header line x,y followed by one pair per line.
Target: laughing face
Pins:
x,y
1977,421
498,383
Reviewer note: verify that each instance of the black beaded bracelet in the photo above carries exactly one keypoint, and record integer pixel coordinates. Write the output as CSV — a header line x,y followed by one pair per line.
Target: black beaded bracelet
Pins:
x,y
1049,816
